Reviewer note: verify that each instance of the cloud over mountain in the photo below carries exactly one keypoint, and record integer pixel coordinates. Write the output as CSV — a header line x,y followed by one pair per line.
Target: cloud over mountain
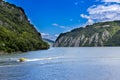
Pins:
x,y
103,12
108,1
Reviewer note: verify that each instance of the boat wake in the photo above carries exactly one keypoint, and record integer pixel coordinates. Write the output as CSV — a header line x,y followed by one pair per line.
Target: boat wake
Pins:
x,y
43,59
15,61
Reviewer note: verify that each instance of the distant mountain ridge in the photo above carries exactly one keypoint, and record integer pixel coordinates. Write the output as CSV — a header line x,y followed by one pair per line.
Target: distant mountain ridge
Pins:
x,y
50,42
98,34
16,32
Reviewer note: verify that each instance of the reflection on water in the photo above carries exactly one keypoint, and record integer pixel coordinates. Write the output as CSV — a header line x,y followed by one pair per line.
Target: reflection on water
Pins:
x,y
63,64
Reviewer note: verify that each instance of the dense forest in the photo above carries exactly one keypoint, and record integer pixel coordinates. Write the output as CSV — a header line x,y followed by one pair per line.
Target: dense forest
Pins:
x,y
16,32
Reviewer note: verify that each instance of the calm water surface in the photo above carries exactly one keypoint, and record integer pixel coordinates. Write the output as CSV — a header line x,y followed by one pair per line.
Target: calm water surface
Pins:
x,y
63,64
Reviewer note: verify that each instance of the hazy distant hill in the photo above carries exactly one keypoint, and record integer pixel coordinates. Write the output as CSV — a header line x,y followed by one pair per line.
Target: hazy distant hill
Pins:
x,y
50,42
98,34
16,32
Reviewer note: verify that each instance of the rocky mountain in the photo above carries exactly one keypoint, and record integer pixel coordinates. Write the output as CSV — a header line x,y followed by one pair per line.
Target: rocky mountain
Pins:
x,y
16,32
98,34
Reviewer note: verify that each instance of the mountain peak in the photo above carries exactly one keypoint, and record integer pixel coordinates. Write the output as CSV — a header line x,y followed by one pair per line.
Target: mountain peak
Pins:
x,y
98,34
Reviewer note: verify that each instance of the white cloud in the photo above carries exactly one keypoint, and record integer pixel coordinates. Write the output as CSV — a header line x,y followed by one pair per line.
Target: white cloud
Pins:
x,y
60,26
102,9
90,21
48,36
84,16
56,35
55,24
102,13
109,1
45,35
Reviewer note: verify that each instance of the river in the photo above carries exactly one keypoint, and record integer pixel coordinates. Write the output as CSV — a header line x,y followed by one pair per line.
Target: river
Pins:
x,y
95,63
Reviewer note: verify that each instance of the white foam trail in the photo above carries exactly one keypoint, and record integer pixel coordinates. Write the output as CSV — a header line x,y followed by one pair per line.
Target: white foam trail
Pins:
x,y
41,59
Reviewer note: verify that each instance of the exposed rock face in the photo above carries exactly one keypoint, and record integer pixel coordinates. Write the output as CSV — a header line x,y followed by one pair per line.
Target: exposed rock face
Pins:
x,y
16,32
98,34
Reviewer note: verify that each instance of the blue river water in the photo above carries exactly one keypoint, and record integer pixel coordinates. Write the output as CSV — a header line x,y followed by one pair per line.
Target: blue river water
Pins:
x,y
101,63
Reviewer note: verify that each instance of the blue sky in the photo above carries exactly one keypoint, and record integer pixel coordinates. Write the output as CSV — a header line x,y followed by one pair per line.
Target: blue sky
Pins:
x,y
52,17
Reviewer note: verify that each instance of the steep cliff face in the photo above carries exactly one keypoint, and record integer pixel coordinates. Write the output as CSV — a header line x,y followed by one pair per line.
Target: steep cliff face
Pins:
x,y
98,34
16,32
